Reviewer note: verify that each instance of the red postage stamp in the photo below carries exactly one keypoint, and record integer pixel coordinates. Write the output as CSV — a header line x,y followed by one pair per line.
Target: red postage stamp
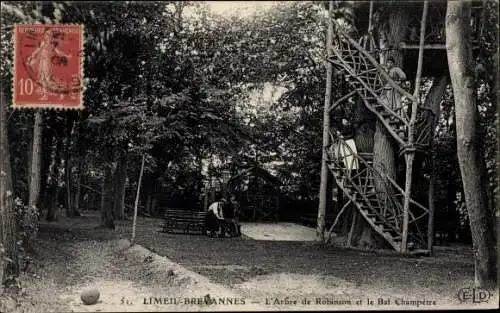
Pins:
x,y
48,66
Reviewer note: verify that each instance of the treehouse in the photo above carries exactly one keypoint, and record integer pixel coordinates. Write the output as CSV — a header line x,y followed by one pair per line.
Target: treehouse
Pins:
x,y
375,166
258,193
395,27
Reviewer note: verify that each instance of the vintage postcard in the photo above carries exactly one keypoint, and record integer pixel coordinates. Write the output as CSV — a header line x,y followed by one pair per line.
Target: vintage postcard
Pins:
x,y
248,156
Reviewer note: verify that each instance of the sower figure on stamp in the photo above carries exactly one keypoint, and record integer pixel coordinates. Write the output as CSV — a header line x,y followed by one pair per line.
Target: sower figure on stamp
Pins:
x,y
44,55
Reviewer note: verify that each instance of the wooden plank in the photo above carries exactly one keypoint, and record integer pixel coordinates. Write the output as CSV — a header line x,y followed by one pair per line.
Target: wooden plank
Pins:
x,y
435,46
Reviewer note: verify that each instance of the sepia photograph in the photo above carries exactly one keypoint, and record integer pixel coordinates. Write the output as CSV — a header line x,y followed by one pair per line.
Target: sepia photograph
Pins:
x,y
179,156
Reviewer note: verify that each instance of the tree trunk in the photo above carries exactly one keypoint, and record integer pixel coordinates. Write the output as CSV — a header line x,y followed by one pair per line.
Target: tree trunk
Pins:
x,y
120,180
107,190
70,124
8,225
78,179
67,175
384,157
46,159
31,216
29,160
54,179
364,121
481,216
436,94
136,204
384,149
323,194
153,207
149,198
433,102
80,151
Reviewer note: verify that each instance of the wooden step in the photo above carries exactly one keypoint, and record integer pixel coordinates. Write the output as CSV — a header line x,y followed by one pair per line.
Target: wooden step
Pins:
x,y
392,122
373,201
371,195
385,229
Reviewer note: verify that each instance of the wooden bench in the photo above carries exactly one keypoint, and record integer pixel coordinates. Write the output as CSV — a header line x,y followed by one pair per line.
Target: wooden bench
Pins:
x,y
185,221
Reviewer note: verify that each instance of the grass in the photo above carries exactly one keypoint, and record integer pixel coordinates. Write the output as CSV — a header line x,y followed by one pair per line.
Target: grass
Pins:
x,y
75,253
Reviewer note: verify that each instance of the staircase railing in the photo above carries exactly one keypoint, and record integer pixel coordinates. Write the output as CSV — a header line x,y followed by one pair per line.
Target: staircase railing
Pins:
x,y
389,194
367,93
343,37
379,92
417,212
359,181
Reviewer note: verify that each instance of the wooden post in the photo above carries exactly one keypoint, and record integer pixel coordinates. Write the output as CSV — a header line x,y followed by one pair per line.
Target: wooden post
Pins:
x,y
353,227
205,195
136,204
410,153
370,19
278,207
320,230
430,222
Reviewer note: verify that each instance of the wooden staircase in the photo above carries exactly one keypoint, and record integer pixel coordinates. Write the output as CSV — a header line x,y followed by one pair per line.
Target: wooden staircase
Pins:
x,y
377,208
377,197
380,206
378,91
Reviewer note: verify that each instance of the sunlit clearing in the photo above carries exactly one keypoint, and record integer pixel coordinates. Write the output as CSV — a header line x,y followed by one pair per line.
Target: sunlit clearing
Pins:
x,y
241,8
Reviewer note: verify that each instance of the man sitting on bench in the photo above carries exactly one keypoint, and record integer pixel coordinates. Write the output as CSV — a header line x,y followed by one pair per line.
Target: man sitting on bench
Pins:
x,y
217,224
214,216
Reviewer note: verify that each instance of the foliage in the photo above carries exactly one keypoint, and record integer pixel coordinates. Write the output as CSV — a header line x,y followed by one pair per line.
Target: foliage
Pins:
x,y
189,87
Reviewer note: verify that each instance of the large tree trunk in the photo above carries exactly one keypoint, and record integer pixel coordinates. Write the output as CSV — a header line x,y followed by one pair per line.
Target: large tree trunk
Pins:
x,y
364,122
120,180
31,216
481,217
432,102
8,225
384,149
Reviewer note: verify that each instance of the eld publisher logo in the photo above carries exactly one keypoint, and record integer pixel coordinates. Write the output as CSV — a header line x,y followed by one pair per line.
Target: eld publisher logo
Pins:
x,y
473,295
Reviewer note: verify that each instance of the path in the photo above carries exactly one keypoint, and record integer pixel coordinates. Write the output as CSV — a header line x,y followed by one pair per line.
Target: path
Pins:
x,y
76,256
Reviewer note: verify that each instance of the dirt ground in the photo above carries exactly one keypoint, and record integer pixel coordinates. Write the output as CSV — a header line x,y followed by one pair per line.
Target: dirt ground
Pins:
x,y
176,272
